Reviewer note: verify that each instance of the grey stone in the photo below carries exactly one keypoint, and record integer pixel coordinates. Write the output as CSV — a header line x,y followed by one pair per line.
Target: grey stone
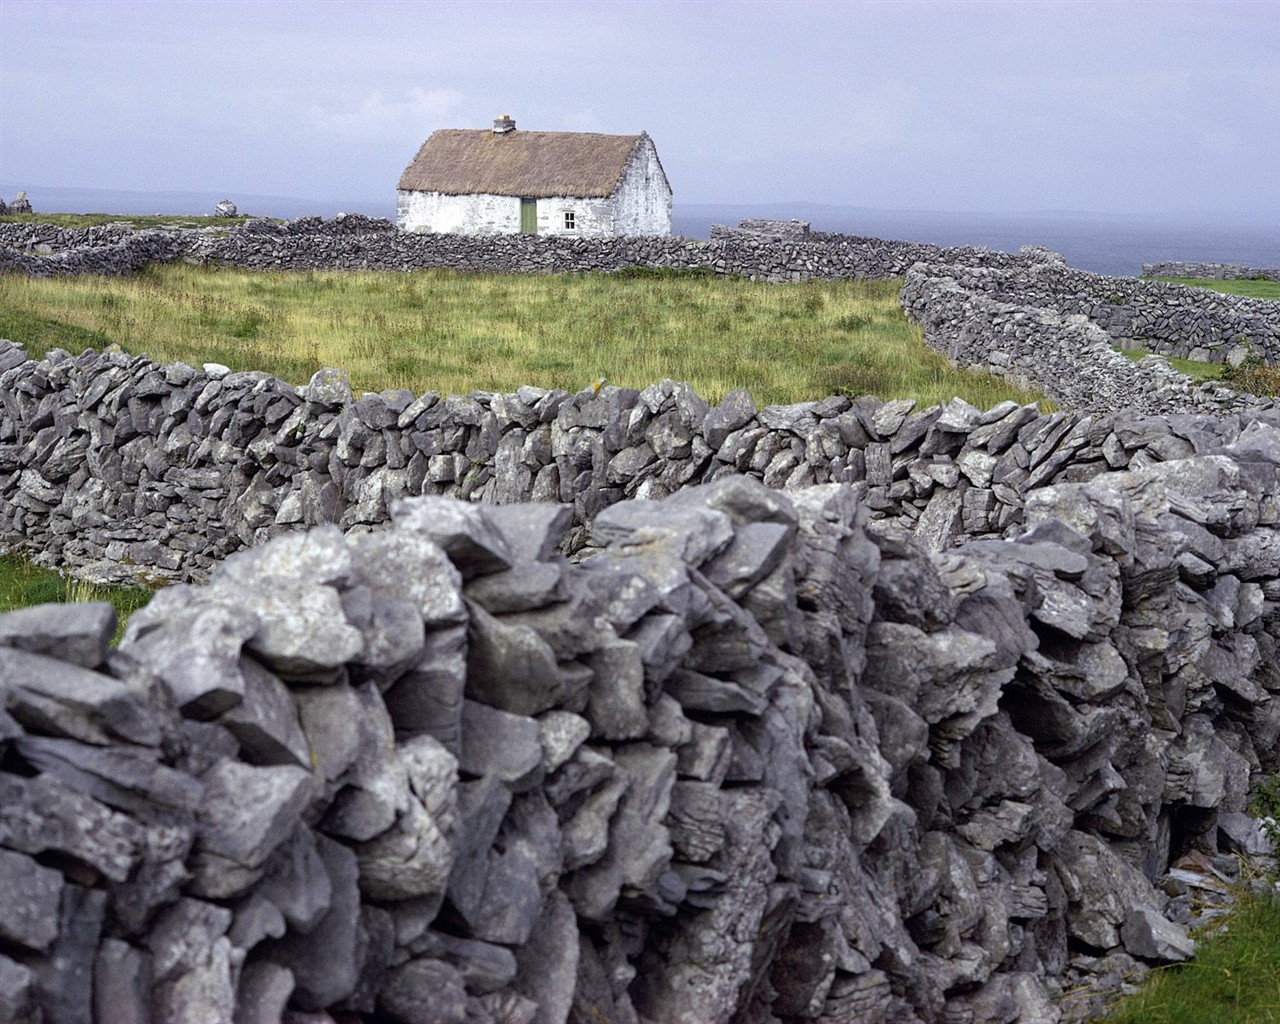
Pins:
x,y
548,962
329,388
29,901
424,991
256,918
40,815
734,412
263,993
616,698
698,692
374,789
325,960
74,633
247,812
562,732
414,857
463,531
1148,934
130,779
484,967
54,696
756,550
194,646
17,992
428,697
121,984
191,963
64,978
326,714
510,666
639,848
302,632
296,881
398,563
525,586
533,530
266,721
699,533
498,743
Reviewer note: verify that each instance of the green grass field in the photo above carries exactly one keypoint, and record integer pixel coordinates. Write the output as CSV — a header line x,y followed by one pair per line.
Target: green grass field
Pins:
x,y
1192,368
23,584
1234,978
1249,288
456,333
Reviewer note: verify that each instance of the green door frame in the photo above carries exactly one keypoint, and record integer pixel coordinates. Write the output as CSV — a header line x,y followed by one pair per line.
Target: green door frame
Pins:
x,y
528,216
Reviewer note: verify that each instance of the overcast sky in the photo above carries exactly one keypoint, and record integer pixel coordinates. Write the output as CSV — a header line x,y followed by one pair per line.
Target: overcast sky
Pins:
x,y
1168,109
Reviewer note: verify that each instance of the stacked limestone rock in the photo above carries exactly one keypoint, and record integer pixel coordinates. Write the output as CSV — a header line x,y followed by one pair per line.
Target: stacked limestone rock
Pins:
x,y
352,241
753,760
1068,356
1169,319
121,467
1210,271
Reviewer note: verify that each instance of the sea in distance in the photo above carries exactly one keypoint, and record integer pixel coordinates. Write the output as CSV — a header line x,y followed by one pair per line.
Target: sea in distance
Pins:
x,y
1102,243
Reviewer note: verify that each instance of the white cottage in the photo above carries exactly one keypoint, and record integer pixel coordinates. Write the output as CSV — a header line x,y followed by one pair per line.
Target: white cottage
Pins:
x,y
505,182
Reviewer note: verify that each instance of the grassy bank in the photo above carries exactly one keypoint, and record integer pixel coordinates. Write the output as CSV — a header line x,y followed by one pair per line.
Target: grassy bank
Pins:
x,y
23,584
455,333
1249,288
1234,978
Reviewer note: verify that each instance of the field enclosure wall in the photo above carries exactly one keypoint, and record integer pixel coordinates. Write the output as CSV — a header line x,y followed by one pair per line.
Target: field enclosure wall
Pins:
x,y
755,759
121,467
903,716
1166,319
1210,271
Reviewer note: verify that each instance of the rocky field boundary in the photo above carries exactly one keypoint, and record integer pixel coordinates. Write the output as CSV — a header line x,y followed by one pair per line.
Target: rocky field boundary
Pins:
x,y
356,242
1066,355
1210,271
755,759
123,468
1167,319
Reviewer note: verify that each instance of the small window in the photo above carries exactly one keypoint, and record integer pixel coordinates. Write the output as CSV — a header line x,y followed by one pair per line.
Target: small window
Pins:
x,y
570,220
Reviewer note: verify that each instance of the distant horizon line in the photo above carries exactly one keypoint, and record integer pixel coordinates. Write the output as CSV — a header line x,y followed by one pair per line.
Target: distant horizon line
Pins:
x,y
781,206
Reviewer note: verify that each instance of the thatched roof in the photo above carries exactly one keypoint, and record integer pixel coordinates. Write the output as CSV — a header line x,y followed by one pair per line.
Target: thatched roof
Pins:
x,y
533,165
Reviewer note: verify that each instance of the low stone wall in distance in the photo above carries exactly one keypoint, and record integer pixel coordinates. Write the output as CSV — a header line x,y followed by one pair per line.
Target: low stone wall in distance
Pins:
x,y
1167,319
119,467
757,758
1067,355
363,243
1210,271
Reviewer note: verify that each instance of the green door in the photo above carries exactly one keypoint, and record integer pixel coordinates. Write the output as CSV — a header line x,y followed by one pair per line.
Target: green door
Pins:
x,y
528,216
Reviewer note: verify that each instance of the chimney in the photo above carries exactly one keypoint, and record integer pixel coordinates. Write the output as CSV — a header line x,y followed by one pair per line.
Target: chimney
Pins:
x,y
503,124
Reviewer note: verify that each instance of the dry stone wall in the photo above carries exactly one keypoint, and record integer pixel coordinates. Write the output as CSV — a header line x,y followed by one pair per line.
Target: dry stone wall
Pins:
x,y
1169,319
756,759
1067,355
120,467
1210,271
356,242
